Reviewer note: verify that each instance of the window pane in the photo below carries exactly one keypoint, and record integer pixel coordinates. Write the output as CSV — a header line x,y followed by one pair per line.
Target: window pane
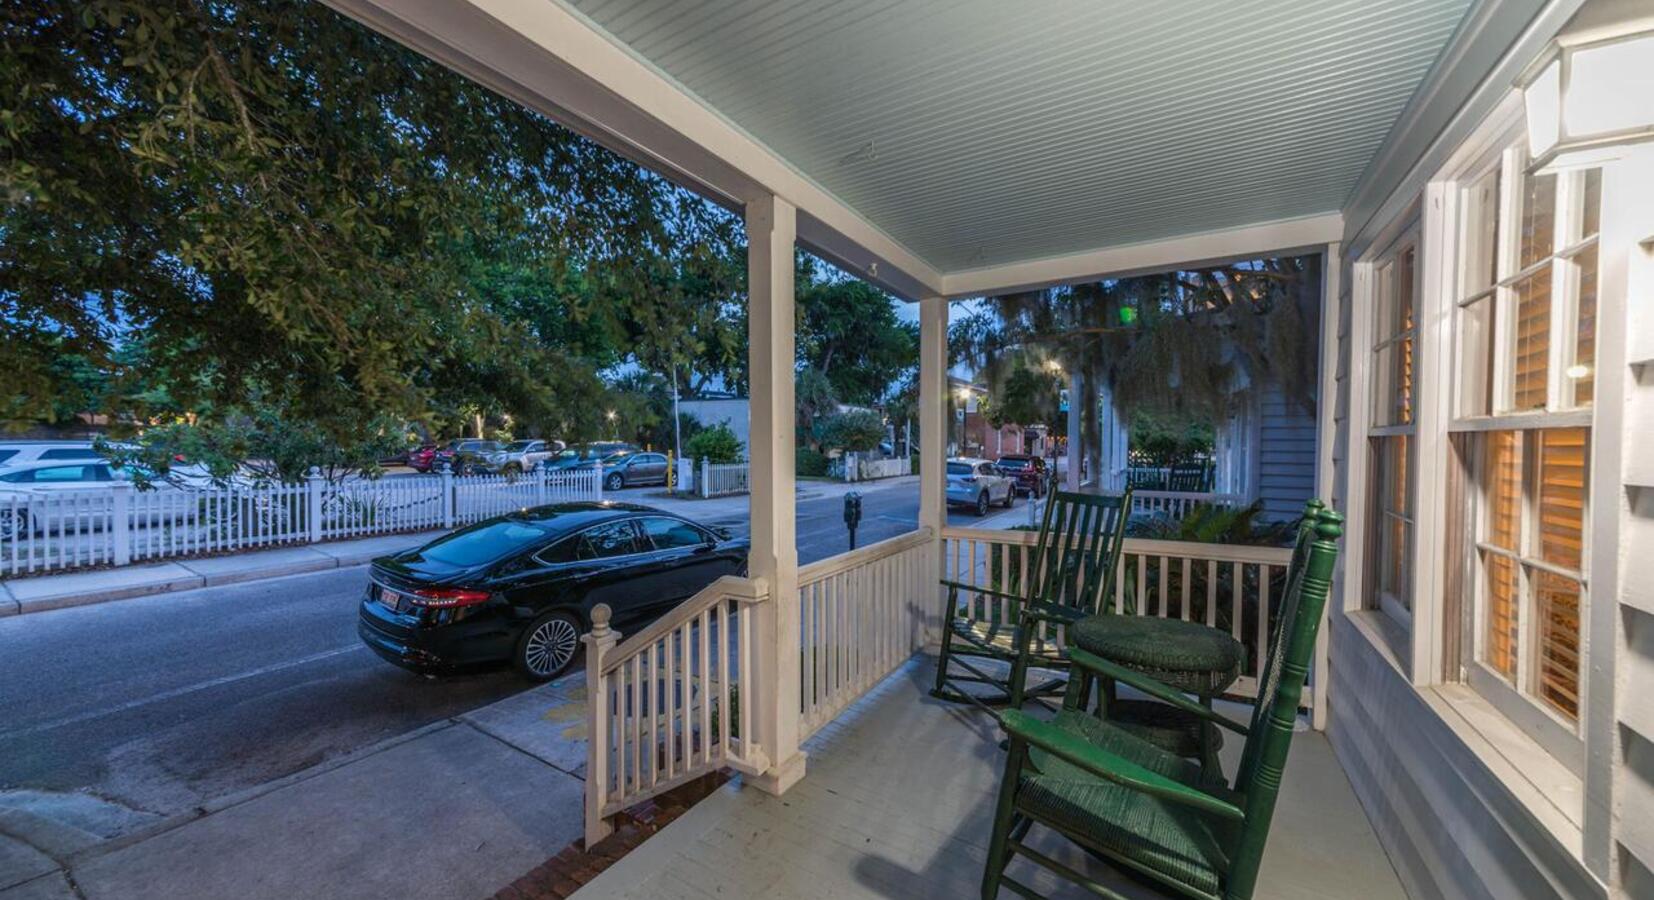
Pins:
x,y
1476,374
1556,605
1499,651
1404,291
1533,339
1504,491
1538,219
1404,381
671,534
1591,216
613,539
1562,463
1481,264
1391,565
1583,371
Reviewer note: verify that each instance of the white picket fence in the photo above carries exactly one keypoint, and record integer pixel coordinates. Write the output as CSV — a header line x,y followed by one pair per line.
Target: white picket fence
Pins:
x,y
723,479
857,468
120,524
1177,504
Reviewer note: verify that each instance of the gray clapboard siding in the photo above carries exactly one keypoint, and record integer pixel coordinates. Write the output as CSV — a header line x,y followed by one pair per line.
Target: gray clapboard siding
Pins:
x,y
1451,827
1286,453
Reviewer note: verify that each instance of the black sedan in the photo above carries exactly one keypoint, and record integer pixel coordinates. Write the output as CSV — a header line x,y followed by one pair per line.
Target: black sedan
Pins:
x,y
521,587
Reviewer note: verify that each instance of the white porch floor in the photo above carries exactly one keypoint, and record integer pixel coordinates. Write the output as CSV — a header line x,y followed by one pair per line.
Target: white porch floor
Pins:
x,y
897,801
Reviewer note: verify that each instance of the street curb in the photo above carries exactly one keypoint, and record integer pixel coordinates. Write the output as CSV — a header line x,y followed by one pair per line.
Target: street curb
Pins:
x,y
338,555
70,597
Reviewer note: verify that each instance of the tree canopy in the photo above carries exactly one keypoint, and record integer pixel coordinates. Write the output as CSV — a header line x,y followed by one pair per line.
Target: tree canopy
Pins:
x,y
273,199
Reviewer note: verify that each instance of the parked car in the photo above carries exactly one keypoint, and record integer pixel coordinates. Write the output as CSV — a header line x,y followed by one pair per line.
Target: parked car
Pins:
x,y
16,453
629,468
465,456
976,483
422,459
586,454
1028,473
410,456
520,588
23,485
521,456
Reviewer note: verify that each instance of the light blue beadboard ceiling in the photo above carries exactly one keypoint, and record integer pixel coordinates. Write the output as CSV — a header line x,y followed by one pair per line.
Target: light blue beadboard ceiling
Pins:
x,y
980,132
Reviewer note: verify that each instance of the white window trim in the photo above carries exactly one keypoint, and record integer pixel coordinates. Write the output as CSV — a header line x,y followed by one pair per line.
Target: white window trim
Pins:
x,y
1388,623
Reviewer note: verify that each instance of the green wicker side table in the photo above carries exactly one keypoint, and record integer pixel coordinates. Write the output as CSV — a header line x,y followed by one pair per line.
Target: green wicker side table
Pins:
x,y
1191,657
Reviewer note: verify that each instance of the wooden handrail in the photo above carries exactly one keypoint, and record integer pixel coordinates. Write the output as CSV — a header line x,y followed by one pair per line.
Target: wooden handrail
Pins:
x,y
728,587
1243,553
862,555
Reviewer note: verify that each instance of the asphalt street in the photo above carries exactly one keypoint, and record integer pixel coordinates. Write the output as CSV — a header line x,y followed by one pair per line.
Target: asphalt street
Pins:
x,y
156,705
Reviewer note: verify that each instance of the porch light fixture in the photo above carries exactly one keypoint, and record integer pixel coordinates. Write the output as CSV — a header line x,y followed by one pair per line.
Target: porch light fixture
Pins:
x,y
1586,99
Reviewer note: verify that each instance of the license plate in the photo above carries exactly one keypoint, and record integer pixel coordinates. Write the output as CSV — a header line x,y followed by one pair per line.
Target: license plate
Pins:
x,y
391,600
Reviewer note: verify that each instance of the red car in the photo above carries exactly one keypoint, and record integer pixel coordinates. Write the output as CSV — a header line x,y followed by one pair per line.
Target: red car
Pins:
x,y
422,458
1029,474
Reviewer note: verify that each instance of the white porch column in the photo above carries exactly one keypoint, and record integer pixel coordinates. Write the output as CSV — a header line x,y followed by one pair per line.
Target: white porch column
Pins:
x,y
1076,441
933,438
771,228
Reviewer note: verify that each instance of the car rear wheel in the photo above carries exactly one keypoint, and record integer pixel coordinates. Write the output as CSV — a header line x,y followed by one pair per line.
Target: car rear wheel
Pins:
x,y
1010,497
14,525
982,503
614,482
547,646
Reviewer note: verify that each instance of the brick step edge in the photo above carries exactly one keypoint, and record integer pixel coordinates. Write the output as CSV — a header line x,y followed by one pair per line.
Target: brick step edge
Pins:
x,y
560,876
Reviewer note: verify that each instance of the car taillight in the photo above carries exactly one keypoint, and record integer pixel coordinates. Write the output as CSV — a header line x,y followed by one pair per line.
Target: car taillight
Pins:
x,y
447,597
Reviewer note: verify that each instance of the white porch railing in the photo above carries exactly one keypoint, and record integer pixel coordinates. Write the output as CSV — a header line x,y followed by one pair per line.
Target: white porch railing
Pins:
x,y
1177,504
861,615
723,479
117,524
657,705
1226,586
670,703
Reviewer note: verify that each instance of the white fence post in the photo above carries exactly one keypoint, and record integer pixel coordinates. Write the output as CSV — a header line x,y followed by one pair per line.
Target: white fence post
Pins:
x,y
447,498
704,485
120,523
597,473
313,497
599,641
542,490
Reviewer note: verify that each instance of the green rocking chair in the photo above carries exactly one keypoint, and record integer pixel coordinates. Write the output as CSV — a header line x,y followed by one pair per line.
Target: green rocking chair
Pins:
x,y
1070,575
1155,815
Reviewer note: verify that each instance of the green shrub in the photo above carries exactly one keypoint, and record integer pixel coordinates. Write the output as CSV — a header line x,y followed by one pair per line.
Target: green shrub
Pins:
x,y
856,430
717,444
810,462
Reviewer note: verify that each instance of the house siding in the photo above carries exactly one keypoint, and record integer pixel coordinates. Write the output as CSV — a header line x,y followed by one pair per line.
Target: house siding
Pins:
x,y
1451,827
1286,453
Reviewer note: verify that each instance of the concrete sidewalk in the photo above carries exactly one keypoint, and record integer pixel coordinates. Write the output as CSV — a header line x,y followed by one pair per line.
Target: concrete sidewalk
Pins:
x,y
456,809
44,592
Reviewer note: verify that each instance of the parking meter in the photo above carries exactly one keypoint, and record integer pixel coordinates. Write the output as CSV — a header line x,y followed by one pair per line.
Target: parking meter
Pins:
x,y
852,515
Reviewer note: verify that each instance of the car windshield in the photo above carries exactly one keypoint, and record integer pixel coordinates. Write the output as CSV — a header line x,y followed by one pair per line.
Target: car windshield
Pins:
x,y
1012,462
959,468
616,457
519,446
485,542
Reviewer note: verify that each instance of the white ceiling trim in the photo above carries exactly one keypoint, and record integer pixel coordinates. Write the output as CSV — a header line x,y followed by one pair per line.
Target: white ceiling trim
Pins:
x,y
553,61
1474,75
1184,251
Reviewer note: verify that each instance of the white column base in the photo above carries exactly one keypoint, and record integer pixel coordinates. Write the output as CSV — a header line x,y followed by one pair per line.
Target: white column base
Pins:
x,y
781,776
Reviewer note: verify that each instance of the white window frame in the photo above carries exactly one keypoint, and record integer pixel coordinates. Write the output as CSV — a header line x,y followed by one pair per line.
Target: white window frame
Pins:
x,y
1561,738
1383,295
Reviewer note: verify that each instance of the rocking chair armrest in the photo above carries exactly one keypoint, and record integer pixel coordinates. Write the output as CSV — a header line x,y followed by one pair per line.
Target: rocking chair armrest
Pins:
x,y
1103,764
1067,615
1159,690
979,589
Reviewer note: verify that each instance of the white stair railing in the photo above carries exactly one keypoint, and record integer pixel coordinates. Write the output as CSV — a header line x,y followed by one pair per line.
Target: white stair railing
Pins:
x,y
671,703
1177,504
